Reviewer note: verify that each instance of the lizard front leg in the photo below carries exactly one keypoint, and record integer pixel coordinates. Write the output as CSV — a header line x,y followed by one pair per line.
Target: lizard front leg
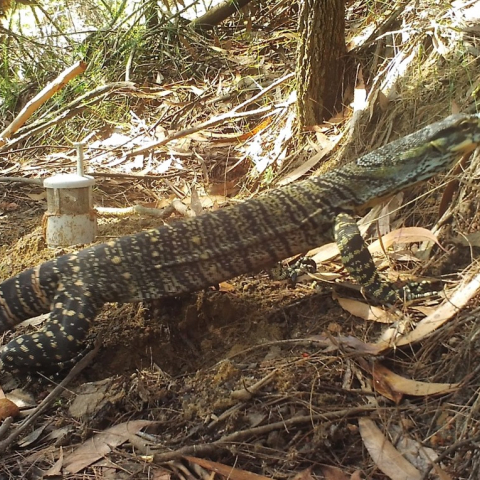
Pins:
x,y
359,263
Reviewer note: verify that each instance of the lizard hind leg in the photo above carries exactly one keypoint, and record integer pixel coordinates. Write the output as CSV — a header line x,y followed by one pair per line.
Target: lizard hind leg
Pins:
x,y
59,341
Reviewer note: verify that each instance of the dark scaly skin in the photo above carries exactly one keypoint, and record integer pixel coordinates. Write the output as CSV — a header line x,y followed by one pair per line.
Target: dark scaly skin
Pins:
x,y
192,254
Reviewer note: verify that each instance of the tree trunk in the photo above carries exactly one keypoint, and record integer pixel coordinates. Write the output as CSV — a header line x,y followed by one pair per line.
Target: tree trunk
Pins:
x,y
321,60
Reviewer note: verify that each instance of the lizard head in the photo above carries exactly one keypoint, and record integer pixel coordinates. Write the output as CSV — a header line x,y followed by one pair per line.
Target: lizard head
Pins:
x,y
421,155
446,143
415,158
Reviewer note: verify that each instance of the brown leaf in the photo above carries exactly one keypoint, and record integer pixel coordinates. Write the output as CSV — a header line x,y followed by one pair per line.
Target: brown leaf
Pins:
x,y
384,387
223,189
32,437
403,235
160,474
264,124
309,164
387,458
9,206
383,101
413,449
365,311
102,444
333,473
188,46
443,313
347,342
304,475
56,469
227,471
8,409
324,253
356,475
392,386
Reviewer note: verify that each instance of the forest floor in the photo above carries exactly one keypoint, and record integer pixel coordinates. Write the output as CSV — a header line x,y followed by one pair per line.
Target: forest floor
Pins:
x,y
259,379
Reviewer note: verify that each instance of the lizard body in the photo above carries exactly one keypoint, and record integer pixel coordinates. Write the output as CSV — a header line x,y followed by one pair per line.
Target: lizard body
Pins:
x,y
192,254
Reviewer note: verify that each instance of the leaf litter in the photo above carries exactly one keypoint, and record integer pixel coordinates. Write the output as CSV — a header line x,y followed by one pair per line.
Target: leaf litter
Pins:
x,y
316,382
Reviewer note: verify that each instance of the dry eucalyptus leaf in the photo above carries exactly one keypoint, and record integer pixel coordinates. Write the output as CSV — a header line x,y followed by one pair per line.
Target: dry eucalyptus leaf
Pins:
x,y
365,311
463,294
403,235
387,458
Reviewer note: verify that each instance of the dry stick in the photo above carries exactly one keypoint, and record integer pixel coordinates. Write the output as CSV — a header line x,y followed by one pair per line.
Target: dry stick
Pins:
x,y
83,99
233,114
202,126
39,99
73,108
120,212
383,27
65,115
242,435
5,426
460,443
247,393
51,397
138,210
218,14
35,181
139,176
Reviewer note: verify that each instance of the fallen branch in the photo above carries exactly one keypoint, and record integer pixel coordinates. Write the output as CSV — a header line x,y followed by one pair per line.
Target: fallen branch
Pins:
x,y
34,181
218,14
39,181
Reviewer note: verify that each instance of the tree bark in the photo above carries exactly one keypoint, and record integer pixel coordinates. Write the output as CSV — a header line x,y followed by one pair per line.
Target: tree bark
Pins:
x,y
321,60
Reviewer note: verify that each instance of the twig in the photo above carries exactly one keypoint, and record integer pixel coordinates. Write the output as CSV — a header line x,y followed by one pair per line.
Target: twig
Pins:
x,y
39,181
383,27
41,98
136,175
5,426
247,393
242,435
95,94
74,107
35,181
51,397
137,209
218,14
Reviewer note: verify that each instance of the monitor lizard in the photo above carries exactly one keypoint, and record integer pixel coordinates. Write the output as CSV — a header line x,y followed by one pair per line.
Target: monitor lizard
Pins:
x,y
193,254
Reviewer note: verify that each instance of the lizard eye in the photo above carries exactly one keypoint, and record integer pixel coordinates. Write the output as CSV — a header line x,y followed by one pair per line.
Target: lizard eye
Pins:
x,y
464,125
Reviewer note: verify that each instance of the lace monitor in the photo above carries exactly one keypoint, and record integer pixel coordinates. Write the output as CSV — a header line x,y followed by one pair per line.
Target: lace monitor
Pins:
x,y
193,254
